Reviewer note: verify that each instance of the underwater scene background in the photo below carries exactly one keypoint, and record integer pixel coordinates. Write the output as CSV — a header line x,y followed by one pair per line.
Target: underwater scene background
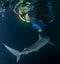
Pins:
x,y
19,35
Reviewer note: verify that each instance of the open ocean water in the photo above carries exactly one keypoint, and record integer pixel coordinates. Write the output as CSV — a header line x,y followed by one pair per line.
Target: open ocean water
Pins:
x,y
20,35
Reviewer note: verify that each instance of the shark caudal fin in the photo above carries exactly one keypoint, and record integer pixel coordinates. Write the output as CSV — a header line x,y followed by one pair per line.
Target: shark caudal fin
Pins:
x,y
18,58
14,52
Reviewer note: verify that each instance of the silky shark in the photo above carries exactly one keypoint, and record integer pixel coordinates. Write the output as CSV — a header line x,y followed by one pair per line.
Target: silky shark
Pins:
x,y
34,47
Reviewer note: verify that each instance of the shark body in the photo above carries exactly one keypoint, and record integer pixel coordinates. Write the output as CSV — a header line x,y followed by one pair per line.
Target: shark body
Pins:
x,y
34,47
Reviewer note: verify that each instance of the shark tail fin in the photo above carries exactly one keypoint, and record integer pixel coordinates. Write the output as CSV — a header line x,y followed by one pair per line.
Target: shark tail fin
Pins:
x,y
14,52
18,58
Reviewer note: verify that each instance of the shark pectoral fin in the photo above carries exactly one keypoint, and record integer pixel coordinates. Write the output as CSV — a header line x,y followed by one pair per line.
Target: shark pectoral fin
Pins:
x,y
51,43
25,48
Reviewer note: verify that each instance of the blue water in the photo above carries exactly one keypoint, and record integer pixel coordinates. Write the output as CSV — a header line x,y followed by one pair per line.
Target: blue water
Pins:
x,y
18,35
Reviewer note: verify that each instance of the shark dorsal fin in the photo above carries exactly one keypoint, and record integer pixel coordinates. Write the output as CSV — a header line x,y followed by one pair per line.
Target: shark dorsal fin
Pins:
x,y
40,37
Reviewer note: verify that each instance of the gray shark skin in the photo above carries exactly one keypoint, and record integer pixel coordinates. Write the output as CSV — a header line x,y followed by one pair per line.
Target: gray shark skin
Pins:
x,y
34,47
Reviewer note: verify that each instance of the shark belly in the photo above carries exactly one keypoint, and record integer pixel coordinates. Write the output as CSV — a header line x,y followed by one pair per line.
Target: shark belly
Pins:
x,y
36,46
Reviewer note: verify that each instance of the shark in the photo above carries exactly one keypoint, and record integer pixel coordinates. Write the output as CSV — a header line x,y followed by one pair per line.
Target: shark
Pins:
x,y
41,42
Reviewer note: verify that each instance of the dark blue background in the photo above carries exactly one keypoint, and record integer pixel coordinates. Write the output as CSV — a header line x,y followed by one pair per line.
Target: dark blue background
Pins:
x,y
20,35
